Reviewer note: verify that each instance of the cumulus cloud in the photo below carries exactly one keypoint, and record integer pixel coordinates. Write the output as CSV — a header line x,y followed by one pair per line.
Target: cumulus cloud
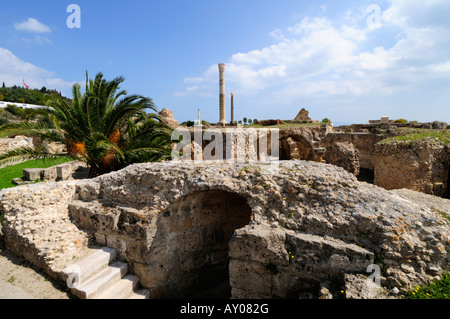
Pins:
x,y
32,25
13,71
318,56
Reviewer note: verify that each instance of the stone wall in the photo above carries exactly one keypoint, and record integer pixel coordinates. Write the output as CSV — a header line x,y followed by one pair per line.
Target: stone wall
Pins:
x,y
344,155
60,172
289,231
421,166
363,142
8,144
295,143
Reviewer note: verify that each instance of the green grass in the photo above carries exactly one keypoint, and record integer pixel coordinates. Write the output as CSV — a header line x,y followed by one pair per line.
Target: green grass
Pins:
x,y
433,136
8,173
439,289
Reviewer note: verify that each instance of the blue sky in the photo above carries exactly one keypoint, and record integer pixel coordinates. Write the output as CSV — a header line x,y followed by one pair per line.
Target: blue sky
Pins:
x,y
350,61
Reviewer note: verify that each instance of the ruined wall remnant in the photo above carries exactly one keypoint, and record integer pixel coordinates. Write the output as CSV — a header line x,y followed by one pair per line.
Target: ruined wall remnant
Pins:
x,y
363,142
295,143
167,117
303,116
267,231
421,166
8,144
344,155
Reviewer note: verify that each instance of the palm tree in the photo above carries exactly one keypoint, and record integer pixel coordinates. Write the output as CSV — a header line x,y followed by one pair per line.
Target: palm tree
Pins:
x,y
104,127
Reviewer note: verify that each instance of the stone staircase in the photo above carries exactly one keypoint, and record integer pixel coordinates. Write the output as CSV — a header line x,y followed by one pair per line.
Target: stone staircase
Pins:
x,y
101,276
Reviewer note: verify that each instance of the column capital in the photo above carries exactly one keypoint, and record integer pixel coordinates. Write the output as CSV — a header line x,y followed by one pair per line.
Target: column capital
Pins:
x,y
221,67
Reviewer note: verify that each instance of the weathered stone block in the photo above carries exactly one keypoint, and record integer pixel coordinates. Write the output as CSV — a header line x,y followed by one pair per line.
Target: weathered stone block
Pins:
x,y
250,276
64,171
49,174
264,245
32,174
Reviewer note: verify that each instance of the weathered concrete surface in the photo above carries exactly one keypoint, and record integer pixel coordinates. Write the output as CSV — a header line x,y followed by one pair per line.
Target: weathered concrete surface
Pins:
x,y
288,231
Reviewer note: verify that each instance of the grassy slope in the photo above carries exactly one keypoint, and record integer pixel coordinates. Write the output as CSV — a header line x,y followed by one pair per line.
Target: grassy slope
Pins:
x,y
437,136
8,173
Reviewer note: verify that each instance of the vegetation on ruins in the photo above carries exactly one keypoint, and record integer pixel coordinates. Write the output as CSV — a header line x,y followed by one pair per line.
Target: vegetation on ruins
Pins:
x,y
439,289
104,127
414,136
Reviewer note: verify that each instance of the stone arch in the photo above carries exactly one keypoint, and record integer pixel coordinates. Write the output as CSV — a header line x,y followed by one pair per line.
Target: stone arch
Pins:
x,y
189,254
296,147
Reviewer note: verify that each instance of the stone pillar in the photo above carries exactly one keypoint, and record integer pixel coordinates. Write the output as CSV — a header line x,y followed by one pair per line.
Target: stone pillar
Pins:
x,y
223,119
199,119
232,108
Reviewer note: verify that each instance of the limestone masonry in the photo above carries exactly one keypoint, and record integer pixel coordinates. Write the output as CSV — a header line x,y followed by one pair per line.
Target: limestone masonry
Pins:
x,y
302,229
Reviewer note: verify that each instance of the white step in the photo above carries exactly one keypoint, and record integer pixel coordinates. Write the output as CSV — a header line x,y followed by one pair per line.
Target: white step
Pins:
x,y
101,281
121,289
140,294
90,265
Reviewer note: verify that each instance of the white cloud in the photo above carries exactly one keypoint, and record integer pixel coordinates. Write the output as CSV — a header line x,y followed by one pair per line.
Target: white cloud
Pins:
x,y
277,34
36,39
32,25
316,57
13,71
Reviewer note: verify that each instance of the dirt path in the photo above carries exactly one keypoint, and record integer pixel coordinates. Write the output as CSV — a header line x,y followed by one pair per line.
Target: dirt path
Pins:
x,y
21,280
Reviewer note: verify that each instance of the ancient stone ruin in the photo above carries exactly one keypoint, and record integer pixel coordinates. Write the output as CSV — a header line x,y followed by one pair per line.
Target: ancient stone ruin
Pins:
x,y
299,229
303,116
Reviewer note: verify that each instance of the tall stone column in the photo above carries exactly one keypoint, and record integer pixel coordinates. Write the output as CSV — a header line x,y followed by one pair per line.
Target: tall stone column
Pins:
x,y
232,108
223,119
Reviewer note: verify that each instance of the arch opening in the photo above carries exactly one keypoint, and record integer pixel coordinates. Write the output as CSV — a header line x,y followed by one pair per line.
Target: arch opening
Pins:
x,y
199,227
296,148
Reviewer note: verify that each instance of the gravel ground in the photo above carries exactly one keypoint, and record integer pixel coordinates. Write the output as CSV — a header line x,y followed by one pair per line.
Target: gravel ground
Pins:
x,y
21,280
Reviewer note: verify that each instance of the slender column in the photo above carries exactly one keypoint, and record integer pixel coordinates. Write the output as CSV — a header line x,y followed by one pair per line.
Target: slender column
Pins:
x,y
232,108
222,94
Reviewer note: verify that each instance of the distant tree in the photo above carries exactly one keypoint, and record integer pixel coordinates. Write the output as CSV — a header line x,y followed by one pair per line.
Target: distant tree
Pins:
x,y
326,120
255,121
4,86
245,120
2,97
43,89
401,121
250,121
21,100
12,108
188,123
240,122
